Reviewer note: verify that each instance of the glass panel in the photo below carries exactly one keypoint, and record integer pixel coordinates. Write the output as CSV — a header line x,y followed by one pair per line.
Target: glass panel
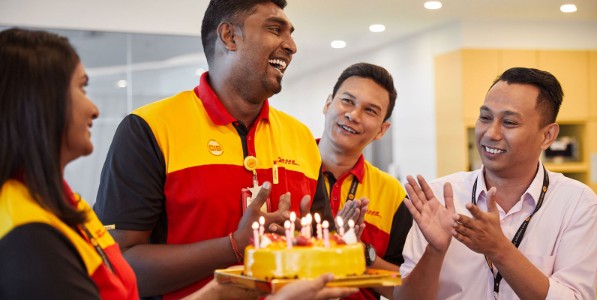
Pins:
x,y
126,71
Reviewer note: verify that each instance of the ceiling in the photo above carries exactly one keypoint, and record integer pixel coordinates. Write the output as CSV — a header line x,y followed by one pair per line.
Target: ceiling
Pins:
x,y
318,22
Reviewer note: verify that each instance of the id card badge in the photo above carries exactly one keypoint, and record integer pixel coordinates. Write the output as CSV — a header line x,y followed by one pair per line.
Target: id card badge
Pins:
x,y
247,198
249,194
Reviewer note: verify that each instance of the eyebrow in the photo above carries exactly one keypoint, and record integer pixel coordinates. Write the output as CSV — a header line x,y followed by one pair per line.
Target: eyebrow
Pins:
x,y
505,113
281,21
368,105
349,95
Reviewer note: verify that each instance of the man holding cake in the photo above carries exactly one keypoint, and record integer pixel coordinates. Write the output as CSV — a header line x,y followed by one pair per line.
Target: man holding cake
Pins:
x,y
356,114
512,229
171,184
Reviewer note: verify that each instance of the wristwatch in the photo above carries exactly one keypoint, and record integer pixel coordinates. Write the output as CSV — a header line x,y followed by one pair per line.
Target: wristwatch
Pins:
x,y
370,255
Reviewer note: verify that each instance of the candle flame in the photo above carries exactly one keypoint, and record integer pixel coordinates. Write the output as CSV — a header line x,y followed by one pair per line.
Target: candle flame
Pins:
x,y
317,218
325,224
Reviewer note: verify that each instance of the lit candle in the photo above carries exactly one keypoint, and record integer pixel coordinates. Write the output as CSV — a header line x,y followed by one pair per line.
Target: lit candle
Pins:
x,y
326,234
304,226
288,234
255,235
292,220
261,225
309,225
351,224
318,221
340,223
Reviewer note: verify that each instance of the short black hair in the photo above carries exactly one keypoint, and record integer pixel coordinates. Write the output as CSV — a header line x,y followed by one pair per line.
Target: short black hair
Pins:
x,y
234,11
376,73
550,91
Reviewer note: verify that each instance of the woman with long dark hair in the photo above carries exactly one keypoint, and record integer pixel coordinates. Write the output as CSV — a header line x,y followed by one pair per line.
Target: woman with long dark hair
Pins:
x,y
52,245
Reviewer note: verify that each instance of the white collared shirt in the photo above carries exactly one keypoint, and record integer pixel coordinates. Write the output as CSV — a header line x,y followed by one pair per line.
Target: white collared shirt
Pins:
x,y
561,239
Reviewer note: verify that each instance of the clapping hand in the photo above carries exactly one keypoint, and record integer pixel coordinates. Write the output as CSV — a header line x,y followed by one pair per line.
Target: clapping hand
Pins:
x,y
482,233
354,210
434,219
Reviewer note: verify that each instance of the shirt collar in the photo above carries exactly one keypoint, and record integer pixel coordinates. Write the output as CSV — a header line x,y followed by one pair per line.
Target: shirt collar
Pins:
x,y
534,189
68,193
214,107
358,170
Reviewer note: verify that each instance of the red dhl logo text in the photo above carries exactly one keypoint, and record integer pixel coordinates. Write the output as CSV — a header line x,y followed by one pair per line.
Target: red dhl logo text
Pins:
x,y
374,213
285,161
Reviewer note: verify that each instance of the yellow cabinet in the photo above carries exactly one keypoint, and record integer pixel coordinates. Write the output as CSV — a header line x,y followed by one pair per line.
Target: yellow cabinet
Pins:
x,y
572,70
593,86
479,69
518,58
592,154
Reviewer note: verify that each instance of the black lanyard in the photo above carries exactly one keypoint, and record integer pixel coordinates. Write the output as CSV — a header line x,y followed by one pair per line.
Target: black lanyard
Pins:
x,y
97,247
353,186
517,239
86,233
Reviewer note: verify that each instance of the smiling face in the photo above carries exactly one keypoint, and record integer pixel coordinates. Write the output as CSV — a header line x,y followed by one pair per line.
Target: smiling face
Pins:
x,y
354,117
77,137
509,133
264,48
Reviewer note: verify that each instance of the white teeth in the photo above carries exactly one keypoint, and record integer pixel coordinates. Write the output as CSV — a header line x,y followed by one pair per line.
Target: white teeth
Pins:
x,y
348,129
493,150
278,63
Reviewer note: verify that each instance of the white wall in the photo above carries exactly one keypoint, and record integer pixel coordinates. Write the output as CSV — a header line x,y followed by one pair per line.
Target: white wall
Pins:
x,y
107,15
530,35
410,61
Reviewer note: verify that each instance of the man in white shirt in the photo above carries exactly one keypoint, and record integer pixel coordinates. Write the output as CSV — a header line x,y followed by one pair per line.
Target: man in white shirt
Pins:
x,y
521,231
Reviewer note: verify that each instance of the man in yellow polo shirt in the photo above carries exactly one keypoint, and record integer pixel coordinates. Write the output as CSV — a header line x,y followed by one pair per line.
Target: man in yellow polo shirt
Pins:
x,y
356,114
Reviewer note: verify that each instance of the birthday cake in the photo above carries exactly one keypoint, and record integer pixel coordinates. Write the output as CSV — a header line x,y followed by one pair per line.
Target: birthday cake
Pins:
x,y
303,257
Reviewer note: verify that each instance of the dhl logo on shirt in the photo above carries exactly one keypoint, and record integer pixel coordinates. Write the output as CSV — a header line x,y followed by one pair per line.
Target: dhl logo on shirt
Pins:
x,y
374,213
284,161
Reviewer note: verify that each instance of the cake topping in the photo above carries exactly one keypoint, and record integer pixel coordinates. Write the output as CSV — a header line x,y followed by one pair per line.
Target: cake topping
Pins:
x,y
350,237
302,240
323,238
265,241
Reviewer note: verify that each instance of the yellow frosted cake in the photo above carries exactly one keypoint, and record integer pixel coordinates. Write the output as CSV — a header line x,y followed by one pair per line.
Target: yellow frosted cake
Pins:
x,y
309,259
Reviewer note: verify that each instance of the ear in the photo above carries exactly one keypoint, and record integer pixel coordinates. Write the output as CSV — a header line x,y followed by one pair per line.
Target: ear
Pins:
x,y
382,131
327,104
550,133
226,35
